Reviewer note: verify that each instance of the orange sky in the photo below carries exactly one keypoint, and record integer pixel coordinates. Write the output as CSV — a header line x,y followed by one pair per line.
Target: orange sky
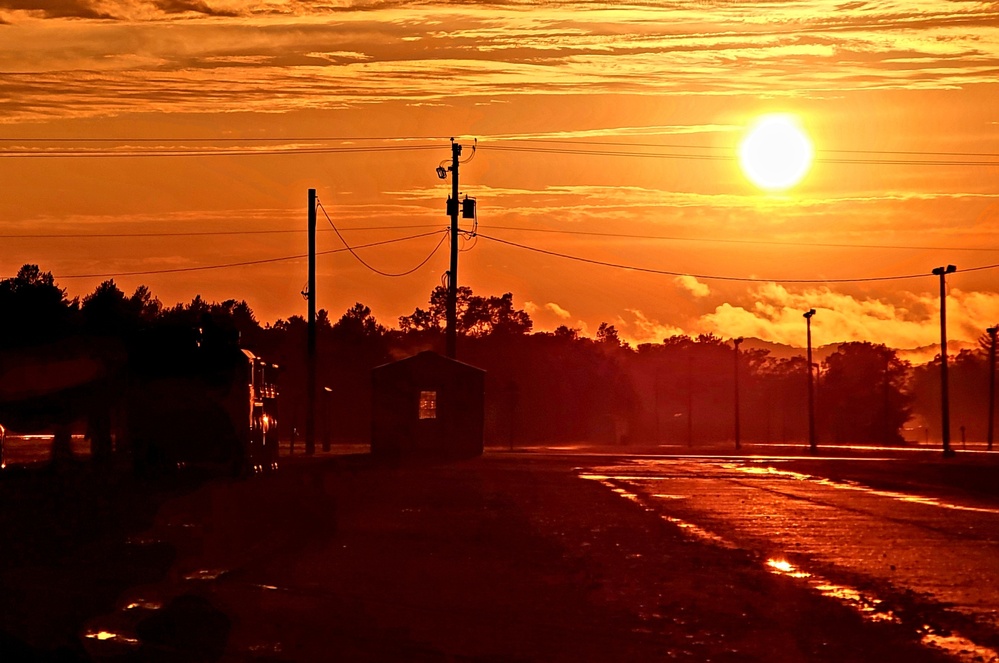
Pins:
x,y
915,77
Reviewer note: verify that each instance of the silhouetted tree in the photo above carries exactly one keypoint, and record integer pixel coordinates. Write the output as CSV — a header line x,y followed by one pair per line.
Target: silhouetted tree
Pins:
x,y
34,310
862,396
969,389
783,395
476,316
607,333
357,323
107,311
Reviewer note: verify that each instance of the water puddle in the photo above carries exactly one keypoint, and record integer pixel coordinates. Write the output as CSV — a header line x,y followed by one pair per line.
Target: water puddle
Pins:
x,y
850,485
960,648
206,574
143,604
112,637
869,606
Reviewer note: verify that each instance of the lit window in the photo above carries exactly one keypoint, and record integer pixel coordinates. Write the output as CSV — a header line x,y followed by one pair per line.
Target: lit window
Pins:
x,y
428,405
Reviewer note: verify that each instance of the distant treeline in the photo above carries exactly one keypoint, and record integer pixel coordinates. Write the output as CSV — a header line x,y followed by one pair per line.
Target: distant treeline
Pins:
x,y
542,387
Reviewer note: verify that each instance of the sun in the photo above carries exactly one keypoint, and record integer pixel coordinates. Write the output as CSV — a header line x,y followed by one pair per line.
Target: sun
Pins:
x,y
776,153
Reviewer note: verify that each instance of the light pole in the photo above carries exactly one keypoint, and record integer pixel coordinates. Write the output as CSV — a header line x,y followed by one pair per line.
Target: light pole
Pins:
x,y
735,344
992,381
451,310
327,418
310,369
942,272
811,388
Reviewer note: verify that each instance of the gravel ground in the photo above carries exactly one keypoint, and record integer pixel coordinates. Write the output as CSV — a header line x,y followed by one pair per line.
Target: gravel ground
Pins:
x,y
501,558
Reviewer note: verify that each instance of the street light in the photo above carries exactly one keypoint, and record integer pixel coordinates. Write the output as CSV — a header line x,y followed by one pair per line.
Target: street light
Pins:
x,y
327,418
942,272
992,381
735,343
811,389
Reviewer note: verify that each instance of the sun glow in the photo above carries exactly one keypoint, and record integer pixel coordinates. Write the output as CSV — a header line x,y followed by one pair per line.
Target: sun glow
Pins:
x,y
775,154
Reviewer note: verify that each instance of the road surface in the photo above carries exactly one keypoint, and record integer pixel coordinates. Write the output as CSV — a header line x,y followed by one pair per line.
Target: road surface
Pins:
x,y
511,557
913,553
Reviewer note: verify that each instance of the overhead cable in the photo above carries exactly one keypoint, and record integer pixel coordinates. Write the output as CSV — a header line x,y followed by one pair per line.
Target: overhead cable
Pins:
x,y
374,269
243,263
716,277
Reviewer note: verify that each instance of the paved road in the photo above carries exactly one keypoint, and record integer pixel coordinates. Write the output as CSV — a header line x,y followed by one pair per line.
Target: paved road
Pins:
x,y
509,557
880,550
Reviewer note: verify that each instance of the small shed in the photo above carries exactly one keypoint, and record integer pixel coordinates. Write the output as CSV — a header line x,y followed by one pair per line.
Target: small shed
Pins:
x,y
427,406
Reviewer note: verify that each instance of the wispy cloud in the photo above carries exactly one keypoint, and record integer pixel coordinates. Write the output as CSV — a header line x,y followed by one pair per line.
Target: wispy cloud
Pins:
x,y
692,285
638,328
904,320
191,6
404,49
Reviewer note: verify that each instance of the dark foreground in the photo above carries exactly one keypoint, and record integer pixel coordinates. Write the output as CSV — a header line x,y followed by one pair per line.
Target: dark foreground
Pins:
x,y
499,559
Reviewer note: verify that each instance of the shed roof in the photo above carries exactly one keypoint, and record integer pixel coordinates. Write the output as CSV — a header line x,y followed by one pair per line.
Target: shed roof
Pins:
x,y
427,358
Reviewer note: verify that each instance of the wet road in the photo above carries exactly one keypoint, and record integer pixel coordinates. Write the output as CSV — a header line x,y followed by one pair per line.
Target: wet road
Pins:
x,y
870,548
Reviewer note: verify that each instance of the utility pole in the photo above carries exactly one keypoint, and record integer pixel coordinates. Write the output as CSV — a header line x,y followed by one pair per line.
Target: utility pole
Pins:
x,y
451,335
690,397
942,272
992,381
735,343
310,368
811,388
887,432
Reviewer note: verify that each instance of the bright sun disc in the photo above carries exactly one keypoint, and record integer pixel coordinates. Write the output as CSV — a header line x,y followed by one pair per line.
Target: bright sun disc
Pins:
x,y
776,153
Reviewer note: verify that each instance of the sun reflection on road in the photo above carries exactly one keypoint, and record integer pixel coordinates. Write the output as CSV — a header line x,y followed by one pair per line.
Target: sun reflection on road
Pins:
x,y
869,606
109,635
850,485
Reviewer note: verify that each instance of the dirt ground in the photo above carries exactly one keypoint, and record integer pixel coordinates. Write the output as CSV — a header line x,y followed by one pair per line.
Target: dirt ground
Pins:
x,y
501,558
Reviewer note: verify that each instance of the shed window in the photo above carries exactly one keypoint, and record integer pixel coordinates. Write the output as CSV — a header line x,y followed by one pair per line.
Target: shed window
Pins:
x,y
428,405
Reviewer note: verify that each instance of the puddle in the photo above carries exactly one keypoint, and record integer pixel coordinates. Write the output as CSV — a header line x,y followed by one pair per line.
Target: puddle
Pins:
x,y
105,636
206,574
142,604
960,648
690,528
850,485
870,607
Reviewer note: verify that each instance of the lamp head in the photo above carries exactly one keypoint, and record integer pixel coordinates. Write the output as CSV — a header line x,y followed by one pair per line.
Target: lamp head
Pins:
x,y
441,172
808,314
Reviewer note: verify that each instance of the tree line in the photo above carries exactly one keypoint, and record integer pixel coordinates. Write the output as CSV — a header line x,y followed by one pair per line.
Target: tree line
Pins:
x,y
542,387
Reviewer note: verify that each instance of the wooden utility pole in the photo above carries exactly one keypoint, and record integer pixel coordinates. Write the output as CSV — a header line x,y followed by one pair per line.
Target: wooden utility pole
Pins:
x,y
942,272
310,365
690,396
812,446
738,432
992,382
451,334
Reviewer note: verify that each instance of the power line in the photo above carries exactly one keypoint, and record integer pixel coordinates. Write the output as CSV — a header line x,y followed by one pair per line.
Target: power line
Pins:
x,y
374,269
291,151
715,277
200,233
243,263
688,146
584,233
226,139
499,138
719,157
223,152
721,240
